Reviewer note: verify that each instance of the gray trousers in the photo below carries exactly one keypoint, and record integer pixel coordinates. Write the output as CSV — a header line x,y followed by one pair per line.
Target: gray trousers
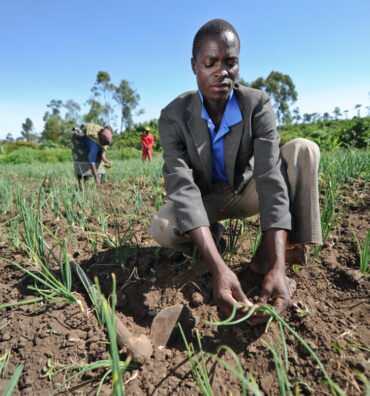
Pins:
x,y
302,158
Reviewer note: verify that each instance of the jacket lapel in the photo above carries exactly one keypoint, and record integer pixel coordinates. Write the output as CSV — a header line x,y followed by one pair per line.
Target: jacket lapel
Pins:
x,y
231,148
200,134
232,141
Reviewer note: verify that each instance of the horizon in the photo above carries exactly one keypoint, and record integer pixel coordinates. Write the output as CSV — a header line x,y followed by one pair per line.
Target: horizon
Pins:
x,y
55,50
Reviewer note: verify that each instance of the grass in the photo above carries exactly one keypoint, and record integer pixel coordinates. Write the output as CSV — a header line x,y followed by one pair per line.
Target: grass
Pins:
x,y
234,233
280,367
331,214
4,360
84,368
109,316
342,167
363,252
135,193
13,381
197,364
248,382
270,310
254,242
46,283
113,365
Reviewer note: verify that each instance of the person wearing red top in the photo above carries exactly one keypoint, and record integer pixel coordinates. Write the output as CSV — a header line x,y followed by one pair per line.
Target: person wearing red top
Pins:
x,y
147,139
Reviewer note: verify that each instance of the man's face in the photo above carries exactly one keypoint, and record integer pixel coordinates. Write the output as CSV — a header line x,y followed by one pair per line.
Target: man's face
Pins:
x,y
217,66
105,136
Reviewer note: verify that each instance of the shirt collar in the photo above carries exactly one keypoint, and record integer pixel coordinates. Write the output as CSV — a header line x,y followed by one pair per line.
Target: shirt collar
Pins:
x,y
232,114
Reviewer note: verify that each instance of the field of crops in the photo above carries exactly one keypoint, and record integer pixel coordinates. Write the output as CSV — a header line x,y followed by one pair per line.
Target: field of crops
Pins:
x,y
55,338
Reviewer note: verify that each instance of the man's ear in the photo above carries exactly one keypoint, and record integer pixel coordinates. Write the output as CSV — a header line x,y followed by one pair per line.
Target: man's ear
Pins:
x,y
193,65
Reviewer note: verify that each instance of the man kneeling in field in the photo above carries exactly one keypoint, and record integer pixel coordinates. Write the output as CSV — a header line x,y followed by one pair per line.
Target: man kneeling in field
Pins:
x,y
222,160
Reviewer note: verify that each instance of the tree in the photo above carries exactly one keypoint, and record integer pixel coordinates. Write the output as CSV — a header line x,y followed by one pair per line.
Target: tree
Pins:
x,y
346,114
58,128
73,110
241,81
53,122
128,100
358,108
257,84
296,116
282,92
27,131
96,112
307,118
315,117
9,138
326,116
104,87
337,113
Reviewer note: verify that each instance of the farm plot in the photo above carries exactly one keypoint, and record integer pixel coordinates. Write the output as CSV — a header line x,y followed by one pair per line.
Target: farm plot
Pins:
x,y
58,342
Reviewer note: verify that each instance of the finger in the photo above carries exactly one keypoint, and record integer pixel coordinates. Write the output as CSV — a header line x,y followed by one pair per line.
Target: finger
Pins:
x,y
266,292
263,298
259,318
239,295
280,305
226,304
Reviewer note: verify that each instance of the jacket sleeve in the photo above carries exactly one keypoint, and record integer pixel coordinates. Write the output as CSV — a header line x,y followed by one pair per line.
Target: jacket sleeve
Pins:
x,y
269,169
178,177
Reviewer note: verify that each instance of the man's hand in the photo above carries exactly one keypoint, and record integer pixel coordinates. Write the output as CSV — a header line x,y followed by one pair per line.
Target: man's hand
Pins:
x,y
271,262
227,292
226,287
274,285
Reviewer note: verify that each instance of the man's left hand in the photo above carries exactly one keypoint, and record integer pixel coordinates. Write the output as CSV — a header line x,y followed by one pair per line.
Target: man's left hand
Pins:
x,y
274,286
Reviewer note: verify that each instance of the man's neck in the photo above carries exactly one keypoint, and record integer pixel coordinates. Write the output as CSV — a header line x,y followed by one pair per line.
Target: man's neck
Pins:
x,y
216,111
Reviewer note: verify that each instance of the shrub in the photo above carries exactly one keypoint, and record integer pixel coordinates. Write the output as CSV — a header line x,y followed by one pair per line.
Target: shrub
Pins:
x,y
332,134
20,145
29,155
356,134
125,153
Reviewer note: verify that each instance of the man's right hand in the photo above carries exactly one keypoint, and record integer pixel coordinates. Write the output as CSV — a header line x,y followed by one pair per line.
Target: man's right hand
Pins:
x,y
227,292
226,287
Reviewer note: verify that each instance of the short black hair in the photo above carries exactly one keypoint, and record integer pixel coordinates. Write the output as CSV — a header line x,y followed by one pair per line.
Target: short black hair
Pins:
x,y
212,28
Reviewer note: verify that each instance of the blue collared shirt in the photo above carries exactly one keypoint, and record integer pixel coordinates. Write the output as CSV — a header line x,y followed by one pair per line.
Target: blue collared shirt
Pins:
x,y
93,147
232,115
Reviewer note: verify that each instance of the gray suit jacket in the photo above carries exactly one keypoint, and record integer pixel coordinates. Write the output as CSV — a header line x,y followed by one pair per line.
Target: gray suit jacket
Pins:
x,y
251,149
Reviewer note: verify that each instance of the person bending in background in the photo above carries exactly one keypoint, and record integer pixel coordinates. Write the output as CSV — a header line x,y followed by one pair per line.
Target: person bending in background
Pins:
x,y
222,160
88,148
147,140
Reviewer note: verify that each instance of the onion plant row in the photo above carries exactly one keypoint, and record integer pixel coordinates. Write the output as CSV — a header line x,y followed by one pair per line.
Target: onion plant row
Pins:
x,y
280,365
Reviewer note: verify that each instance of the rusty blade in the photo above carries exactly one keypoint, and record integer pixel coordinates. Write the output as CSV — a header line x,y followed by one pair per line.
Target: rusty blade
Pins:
x,y
164,323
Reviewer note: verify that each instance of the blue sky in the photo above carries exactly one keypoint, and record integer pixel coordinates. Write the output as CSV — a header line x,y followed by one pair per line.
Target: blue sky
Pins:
x,y
54,49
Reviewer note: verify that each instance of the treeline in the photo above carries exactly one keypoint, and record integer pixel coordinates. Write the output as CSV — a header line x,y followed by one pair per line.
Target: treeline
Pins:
x,y
115,105
328,135
283,95
109,104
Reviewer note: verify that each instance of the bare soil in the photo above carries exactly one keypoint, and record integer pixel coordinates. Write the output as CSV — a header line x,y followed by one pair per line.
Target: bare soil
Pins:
x,y
331,291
